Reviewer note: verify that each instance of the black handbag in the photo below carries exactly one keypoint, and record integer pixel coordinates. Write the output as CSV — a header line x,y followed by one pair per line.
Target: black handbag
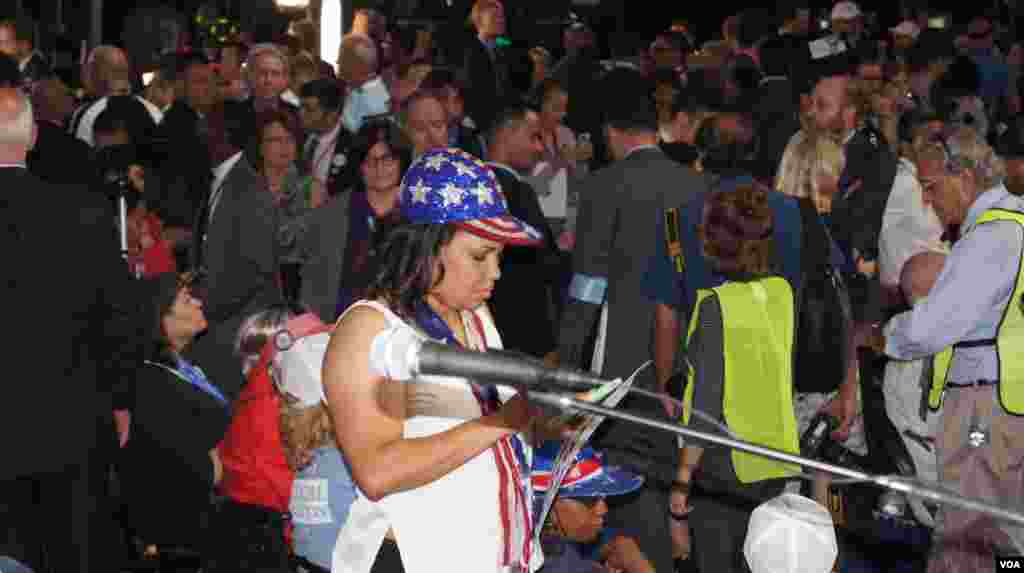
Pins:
x,y
825,311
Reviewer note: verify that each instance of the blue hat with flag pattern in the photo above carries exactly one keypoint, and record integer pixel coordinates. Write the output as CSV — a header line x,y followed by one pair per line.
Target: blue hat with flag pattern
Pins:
x,y
452,186
588,476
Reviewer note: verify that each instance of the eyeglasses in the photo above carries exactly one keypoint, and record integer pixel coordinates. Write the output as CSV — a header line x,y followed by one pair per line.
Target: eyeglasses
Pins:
x,y
955,163
380,161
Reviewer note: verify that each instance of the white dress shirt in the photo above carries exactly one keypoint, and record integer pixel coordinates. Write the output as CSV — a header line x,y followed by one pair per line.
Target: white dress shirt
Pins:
x,y
371,98
324,154
909,226
84,130
220,172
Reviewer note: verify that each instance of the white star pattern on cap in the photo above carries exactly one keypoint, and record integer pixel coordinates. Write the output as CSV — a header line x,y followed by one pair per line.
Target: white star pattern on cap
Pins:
x,y
483,195
452,195
436,162
419,192
464,169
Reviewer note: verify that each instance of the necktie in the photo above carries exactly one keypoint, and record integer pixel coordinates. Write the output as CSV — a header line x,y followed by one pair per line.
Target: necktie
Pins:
x,y
309,152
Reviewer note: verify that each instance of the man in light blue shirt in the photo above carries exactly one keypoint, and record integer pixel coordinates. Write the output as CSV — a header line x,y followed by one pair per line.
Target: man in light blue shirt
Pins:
x,y
980,445
358,64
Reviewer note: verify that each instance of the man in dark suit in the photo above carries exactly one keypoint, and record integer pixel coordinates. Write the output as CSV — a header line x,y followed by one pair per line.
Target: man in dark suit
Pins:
x,y
678,136
615,233
235,247
17,40
776,109
484,66
522,299
70,296
328,144
323,246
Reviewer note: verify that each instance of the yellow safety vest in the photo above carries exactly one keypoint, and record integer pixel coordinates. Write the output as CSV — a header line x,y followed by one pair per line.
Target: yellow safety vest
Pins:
x,y
757,400
1009,341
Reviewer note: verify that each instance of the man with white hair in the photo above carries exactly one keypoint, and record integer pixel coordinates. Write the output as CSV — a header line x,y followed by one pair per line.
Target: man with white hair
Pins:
x,y
52,478
359,67
266,75
971,312
106,73
268,72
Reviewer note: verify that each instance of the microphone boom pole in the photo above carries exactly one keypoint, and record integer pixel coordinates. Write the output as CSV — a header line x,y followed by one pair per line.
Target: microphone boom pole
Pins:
x,y
400,355
888,482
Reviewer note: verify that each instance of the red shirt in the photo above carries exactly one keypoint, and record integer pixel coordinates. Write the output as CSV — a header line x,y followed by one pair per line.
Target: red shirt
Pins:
x,y
255,469
148,252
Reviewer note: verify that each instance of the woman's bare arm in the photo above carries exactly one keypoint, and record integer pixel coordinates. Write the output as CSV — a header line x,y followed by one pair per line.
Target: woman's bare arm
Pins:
x,y
382,461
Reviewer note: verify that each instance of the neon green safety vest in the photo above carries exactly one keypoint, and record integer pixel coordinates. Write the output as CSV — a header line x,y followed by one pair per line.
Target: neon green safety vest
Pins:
x,y
757,400
1009,341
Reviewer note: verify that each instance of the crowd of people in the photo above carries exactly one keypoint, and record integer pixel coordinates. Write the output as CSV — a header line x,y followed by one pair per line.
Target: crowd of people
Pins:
x,y
816,236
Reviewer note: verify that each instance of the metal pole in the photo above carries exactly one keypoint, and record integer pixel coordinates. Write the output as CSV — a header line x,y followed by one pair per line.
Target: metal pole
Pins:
x,y
904,485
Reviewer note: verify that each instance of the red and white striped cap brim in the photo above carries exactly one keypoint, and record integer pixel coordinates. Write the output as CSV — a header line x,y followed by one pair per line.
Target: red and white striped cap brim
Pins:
x,y
505,229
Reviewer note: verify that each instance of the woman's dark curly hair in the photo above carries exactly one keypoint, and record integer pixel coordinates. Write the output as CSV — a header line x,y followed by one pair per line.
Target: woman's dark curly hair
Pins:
x,y
403,261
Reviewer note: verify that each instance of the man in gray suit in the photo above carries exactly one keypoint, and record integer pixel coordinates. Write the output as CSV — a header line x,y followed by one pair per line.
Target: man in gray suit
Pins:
x,y
619,210
323,247
236,250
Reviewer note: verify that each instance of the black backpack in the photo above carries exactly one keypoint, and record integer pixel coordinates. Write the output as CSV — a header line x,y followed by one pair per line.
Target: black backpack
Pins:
x,y
824,311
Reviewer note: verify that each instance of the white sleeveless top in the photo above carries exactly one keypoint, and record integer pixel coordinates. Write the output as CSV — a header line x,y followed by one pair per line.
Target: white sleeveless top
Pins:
x,y
454,523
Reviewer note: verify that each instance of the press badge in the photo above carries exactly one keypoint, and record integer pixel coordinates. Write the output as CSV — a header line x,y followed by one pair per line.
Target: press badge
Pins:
x,y
309,504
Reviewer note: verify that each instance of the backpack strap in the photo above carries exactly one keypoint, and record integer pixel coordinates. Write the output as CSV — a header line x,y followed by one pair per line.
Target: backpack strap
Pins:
x,y
673,243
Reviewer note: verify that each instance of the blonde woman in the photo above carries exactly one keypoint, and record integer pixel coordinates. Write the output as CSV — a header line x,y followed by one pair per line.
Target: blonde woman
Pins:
x,y
811,167
323,490
827,163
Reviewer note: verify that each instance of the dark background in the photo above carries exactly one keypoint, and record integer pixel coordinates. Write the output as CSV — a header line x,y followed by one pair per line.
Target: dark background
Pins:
x,y
624,25
641,18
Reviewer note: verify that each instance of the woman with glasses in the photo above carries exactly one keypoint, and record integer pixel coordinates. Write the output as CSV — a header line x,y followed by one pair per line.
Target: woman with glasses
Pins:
x,y
336,246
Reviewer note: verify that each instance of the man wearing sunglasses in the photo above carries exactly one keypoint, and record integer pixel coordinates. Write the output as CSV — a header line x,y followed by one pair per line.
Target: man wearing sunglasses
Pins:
x,y
972,312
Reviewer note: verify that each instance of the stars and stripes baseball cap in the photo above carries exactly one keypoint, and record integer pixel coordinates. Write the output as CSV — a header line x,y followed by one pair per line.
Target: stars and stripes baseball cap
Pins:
x,y
452,186
589,476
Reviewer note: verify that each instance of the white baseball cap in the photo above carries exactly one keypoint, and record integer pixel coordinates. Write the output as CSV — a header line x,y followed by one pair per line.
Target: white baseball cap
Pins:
x,y
845,11
299,369
791,534
907,28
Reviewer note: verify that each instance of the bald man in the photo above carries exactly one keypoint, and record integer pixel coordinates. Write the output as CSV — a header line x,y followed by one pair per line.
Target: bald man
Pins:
x,y
107,73
919,274
906,384
359,66
72,301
